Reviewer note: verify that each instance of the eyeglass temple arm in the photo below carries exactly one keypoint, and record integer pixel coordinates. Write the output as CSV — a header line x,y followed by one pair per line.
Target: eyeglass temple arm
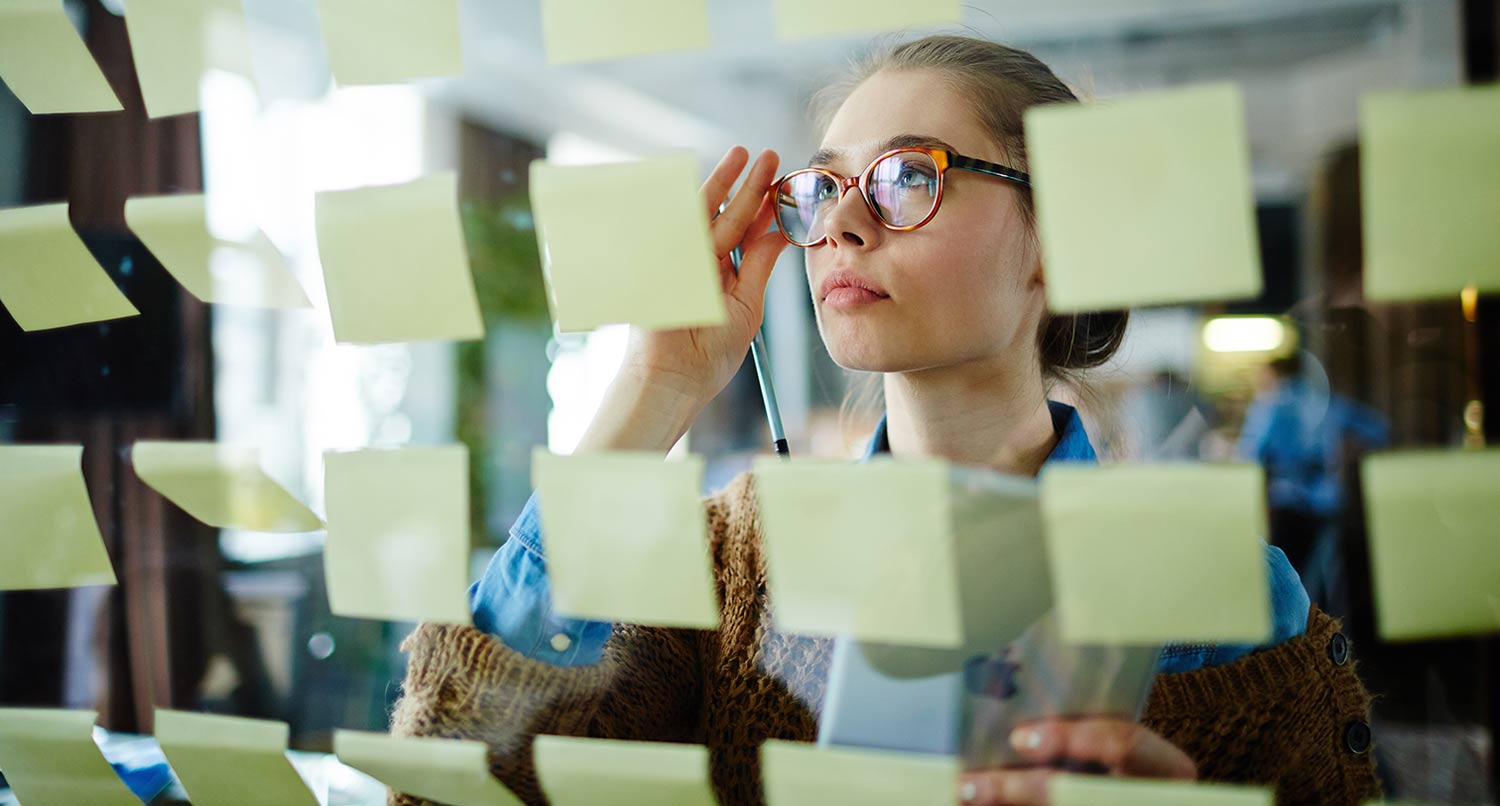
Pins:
x,y
990,168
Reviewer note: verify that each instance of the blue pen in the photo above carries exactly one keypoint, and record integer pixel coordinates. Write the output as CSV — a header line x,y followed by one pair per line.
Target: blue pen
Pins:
x,y
762,361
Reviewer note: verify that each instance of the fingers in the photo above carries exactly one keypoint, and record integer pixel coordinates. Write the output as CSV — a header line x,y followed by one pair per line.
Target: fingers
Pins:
x,y
1119,746
732,225
716,187
1004,787
762,247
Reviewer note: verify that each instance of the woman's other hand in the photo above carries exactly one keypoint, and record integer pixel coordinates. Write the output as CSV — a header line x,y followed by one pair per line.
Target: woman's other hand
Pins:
x,y
1107,746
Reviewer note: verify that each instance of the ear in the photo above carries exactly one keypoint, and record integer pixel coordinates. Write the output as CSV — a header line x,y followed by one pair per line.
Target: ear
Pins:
x,y
1037,276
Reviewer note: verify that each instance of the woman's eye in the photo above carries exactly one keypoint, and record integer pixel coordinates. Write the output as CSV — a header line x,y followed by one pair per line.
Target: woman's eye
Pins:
x,y
826,191
911,178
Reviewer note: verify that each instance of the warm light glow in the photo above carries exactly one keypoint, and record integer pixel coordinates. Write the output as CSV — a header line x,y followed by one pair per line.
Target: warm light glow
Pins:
x,y
1244,334
1470,299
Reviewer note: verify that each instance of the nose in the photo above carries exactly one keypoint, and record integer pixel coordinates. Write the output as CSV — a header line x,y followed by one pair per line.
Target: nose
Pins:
x,y
850,224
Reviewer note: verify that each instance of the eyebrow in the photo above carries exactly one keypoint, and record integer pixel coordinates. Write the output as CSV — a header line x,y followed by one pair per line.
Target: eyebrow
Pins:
x,y
824,156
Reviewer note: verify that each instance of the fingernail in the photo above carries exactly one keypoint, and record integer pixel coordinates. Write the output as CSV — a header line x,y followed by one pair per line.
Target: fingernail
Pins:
x,y
969,792
1026,738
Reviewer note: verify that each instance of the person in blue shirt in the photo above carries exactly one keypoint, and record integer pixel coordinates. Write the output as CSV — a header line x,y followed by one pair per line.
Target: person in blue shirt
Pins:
x,y
1305,437
923,264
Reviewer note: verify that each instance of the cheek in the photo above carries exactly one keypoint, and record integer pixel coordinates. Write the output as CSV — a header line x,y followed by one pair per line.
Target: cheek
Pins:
x,y
969,277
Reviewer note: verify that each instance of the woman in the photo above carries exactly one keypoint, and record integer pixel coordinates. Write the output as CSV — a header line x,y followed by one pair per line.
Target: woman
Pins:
x,y
947,302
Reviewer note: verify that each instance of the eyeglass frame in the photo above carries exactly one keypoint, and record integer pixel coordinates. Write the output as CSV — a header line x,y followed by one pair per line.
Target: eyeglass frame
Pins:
x,y
941,157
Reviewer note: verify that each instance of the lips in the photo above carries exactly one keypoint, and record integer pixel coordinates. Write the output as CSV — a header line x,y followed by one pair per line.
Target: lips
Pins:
x,y
847,279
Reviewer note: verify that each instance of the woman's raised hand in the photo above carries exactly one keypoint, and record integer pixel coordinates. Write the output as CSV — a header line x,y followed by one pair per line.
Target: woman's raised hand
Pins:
x,y
700,361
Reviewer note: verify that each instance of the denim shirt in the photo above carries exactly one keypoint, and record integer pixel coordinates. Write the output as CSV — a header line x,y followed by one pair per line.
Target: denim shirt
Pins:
x,y
513,600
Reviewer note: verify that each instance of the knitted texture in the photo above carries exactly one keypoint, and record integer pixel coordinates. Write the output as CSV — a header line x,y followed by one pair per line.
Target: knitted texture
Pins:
x,y
1276,717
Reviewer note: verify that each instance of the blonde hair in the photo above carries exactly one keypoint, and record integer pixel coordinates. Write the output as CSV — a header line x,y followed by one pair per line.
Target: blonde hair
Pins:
x,y
1001,83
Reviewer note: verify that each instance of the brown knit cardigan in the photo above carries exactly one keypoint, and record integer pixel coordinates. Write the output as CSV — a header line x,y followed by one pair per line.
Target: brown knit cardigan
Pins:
x,y
1278,716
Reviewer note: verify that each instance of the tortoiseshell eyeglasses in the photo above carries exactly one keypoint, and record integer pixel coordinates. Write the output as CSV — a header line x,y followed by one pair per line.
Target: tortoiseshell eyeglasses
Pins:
x,y
902,188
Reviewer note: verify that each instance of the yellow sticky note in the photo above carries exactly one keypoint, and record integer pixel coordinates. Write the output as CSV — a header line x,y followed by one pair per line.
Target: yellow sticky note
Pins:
x,y
444,770
46,65
1145,200
798,774
174,42
1158,553
390,41
221,485
803,19
395,263
1434,544
1003,580
230,760
49,756
626,538
50,538
175,229
1095,790
584,772
592,30
612,257
398,534
48,278
864,549
1429,223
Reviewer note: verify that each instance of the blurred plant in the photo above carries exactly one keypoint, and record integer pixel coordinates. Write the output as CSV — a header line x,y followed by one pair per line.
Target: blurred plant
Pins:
x,y
507,269
504,257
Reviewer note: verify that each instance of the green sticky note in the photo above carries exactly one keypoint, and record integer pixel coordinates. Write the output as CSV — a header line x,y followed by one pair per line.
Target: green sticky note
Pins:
x,y
49,756
1145,200
50,538
592,30
48,278
395,263
1148,554
584,772
1434,547
174,42
863,549
799,774
1429,222
449,771
221,485
230,760
804,19
638,552
175,229
1095,790
611,258
46,64
390,41
398,534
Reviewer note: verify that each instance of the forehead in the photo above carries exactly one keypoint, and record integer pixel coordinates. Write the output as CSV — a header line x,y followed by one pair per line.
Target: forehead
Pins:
x,y
895,104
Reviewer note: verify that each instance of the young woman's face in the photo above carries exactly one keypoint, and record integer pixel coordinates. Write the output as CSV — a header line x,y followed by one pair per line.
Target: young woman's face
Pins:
x,y
964,287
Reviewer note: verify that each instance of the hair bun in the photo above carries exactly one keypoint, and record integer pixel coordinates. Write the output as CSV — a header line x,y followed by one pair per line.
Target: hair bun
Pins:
x,y
1071,342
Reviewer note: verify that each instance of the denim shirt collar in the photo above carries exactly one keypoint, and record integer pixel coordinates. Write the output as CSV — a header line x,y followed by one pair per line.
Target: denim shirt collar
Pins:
x,y
1072,441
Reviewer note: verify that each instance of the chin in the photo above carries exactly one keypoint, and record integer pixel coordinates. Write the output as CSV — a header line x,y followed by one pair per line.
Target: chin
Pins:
x,y
863,357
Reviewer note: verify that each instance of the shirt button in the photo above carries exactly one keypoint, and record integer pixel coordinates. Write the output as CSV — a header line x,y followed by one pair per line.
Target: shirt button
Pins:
x,y
1338,649
561,642
1357,737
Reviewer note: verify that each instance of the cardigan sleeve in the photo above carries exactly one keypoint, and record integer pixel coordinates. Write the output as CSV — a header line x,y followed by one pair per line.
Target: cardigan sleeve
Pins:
x,y
464,683
1295,717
